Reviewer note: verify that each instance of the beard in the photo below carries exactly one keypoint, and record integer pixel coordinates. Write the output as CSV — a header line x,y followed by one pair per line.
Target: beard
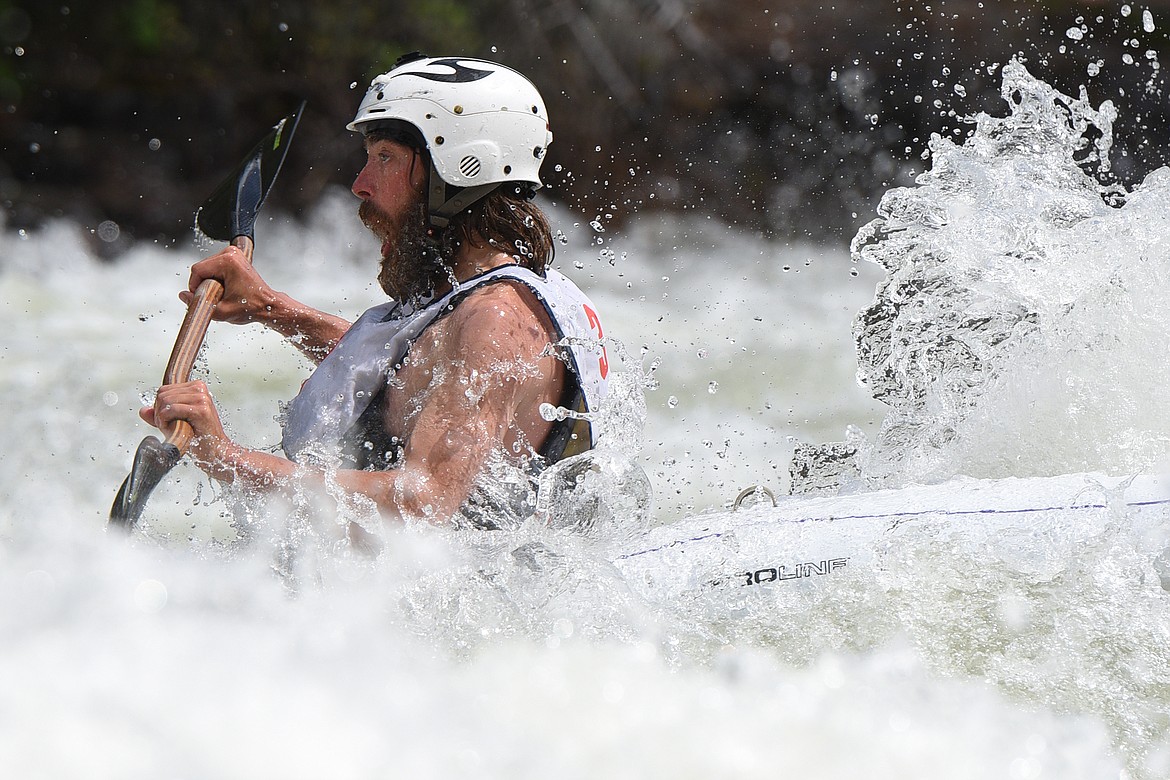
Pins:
x,y
412,267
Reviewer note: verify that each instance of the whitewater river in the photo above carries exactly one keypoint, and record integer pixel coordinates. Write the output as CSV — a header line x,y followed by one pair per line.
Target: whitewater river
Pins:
x,y
185,652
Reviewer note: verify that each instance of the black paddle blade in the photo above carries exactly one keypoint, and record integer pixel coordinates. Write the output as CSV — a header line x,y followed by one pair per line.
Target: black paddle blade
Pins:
x,y
231,210
152,461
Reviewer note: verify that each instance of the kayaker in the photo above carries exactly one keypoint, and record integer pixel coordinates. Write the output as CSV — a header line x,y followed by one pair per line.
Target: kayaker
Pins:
x,y
424,397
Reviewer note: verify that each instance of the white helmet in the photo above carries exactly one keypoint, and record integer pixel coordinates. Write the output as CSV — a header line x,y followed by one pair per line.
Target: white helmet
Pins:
x,y
482,123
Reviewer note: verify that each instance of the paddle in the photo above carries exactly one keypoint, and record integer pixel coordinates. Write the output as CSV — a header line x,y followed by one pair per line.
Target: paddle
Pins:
x,y
228,215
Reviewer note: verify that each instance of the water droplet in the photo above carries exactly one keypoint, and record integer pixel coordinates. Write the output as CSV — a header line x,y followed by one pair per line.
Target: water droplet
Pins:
x,y
109,231
712,387
150,596
154,144
1074,33
960,90
1147,21
672,402
110,398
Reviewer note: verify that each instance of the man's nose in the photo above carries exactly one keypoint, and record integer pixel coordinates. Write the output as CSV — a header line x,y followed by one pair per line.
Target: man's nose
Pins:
x,y
361,186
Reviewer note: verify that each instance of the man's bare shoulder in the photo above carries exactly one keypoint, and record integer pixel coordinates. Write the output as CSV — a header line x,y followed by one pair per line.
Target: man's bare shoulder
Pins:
x,y
503,315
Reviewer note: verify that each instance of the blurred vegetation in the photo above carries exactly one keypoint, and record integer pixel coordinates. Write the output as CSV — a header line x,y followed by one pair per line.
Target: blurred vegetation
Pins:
x,y
788,118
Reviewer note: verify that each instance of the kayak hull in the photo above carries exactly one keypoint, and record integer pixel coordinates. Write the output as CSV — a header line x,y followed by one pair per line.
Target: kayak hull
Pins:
x,y
808,543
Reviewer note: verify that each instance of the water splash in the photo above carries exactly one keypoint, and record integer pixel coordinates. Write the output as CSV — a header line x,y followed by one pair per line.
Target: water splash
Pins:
x,y
1022,289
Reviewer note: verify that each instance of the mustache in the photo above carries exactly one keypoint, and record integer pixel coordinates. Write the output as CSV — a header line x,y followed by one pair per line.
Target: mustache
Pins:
x,y
378,221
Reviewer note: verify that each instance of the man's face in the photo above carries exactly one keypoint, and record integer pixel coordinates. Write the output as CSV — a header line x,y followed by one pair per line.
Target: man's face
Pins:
x,y
391,189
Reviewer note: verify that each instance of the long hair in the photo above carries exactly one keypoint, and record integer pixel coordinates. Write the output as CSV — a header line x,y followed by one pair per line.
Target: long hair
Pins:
x,y
508,221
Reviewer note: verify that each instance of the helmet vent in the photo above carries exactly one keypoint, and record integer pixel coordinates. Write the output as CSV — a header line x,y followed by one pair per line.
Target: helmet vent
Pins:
x,y
470,167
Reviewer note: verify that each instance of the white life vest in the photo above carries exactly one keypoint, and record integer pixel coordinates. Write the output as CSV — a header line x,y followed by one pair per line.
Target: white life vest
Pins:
x,y
333,399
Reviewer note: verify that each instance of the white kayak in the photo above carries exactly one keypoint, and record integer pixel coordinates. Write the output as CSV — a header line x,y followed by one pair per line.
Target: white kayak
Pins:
x,y
805,542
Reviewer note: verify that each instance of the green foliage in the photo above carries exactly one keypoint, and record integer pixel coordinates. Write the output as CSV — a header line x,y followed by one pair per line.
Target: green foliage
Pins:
x,y
151,25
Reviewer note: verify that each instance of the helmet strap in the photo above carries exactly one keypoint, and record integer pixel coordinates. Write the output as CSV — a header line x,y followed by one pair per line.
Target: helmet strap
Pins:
x,y
445,201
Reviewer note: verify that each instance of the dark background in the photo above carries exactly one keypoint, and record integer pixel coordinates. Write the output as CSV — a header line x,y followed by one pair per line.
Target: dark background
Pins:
x,y
789,118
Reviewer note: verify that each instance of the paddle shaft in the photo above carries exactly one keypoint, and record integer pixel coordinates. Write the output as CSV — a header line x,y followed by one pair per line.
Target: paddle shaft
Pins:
x,y
190,341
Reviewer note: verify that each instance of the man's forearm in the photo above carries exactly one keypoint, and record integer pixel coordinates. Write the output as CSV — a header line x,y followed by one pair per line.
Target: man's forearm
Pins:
x,y
228,462
398,493
312,331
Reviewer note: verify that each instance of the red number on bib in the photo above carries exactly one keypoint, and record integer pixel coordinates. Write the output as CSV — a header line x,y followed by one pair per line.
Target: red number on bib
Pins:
x,y
595,324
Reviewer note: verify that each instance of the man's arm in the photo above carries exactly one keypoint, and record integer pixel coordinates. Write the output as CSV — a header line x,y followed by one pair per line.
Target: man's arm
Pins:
x,y
479,369
483,371
248,298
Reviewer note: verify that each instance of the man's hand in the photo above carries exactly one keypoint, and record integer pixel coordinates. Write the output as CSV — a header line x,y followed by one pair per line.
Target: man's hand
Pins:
x,y
246,298
192,402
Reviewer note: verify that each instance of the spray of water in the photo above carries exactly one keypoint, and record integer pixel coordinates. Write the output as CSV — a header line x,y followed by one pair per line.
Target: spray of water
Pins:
x,y
1011,335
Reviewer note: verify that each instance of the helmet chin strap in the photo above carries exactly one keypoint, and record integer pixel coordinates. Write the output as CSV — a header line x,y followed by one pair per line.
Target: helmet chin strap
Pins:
x,y
441,207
